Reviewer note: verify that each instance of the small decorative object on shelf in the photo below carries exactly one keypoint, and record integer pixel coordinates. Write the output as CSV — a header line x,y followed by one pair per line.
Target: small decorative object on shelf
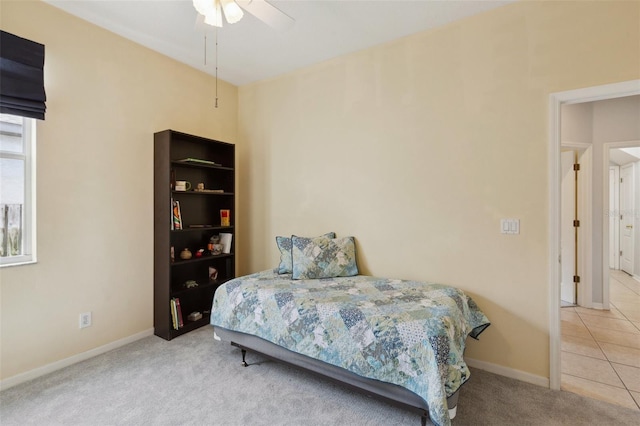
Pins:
x,y
225,219
194,316
225,239
217,249
213,275
173,256
191,284
183,185
185,254
212,242
199,187
199,253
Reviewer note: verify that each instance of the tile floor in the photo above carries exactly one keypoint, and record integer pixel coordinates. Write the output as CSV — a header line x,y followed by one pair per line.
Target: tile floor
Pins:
x,y
601,349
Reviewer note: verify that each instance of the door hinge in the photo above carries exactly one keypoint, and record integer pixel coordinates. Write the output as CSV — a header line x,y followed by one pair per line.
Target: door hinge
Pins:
x,y
620,252
576,167
576,279
576,223
620,180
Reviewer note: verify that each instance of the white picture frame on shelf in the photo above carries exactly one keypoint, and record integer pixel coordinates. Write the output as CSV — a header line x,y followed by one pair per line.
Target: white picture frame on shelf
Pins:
x,y
225,240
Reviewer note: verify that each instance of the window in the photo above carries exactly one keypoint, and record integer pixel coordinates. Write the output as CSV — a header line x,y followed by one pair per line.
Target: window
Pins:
x,y
17,190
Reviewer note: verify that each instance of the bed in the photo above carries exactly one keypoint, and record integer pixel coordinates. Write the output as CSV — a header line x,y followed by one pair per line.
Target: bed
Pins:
x,y
395,339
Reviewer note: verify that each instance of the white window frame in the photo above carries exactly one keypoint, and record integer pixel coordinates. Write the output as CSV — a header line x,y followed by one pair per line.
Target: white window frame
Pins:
x,y
29,207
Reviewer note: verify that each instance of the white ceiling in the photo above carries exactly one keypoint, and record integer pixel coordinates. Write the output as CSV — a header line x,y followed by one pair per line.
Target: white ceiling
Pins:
x,y
250,50
623,156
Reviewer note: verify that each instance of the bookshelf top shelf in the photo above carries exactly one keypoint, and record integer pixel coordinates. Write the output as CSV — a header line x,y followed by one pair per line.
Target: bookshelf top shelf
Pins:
x,y
178,163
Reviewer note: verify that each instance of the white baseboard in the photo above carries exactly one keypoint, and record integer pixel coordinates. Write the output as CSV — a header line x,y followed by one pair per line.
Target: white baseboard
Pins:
x,y
512,373
54,366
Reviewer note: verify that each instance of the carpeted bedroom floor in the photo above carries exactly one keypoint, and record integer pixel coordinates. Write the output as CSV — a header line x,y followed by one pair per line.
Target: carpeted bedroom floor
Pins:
x,y
194,380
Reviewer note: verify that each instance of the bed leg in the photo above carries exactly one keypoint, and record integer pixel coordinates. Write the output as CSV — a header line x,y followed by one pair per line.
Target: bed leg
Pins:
x,y
452,412
244,354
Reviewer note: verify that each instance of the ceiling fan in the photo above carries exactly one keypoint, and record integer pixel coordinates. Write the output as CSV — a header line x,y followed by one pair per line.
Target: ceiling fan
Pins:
x,y
212,10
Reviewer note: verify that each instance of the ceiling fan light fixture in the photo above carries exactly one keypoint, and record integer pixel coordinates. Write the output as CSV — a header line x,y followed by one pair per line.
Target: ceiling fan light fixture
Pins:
x,y
211,10
232,11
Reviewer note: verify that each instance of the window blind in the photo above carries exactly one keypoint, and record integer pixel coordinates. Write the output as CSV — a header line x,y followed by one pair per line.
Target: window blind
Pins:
x,y
21,77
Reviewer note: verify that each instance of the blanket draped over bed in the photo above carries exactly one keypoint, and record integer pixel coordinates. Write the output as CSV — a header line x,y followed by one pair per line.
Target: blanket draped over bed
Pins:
x,y
408,333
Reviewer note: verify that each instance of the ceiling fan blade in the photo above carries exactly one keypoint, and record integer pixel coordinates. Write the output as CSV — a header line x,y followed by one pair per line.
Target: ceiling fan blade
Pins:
x,y
267,13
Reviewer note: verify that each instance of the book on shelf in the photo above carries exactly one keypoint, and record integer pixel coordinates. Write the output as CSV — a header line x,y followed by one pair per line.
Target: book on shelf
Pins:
x,y
174,314
225,240
179,312
177,215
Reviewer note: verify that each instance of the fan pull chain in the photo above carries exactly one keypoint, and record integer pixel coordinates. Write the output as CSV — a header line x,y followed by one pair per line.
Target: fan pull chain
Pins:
x,y
216,67
205,60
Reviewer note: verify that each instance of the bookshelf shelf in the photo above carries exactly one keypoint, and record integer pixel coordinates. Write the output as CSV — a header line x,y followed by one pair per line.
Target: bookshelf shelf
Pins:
x,y
203,228
207,258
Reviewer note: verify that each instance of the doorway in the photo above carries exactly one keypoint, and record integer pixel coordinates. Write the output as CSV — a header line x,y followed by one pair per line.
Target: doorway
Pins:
x,y
600,235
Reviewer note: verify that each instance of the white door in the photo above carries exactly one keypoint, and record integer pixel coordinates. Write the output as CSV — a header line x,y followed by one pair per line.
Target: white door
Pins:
x,y
614,217
567,231
627,218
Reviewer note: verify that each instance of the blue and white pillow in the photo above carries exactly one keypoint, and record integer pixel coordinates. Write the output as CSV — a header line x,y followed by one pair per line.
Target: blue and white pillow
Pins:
x,y
323,257
284,245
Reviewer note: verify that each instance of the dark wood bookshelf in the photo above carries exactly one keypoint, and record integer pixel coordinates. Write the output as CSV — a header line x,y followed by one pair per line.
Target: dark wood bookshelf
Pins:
x,y
196,208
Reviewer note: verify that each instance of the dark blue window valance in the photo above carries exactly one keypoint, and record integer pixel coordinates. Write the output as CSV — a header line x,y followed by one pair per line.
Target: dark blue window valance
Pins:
x,y
21,77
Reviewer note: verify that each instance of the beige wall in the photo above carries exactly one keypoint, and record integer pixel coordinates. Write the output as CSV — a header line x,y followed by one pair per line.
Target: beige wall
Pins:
x,y
106,98
419,147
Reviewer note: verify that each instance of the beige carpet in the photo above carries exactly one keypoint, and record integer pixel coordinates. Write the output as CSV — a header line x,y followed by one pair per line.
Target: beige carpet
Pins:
x,y
194,380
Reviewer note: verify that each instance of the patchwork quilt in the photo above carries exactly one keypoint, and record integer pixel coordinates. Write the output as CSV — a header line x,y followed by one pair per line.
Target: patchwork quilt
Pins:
x,y
408,333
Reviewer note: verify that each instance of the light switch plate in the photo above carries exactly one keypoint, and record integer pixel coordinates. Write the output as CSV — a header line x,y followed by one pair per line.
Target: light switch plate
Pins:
x,y
510,226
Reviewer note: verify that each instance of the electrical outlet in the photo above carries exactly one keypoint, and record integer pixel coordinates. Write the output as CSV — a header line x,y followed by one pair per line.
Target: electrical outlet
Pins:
x,y
85,319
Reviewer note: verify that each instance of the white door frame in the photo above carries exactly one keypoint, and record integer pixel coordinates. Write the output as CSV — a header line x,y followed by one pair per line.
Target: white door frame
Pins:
x,y
556,100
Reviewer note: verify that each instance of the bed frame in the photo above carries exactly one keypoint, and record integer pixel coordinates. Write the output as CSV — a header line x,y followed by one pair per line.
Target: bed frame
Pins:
x,y
388,392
